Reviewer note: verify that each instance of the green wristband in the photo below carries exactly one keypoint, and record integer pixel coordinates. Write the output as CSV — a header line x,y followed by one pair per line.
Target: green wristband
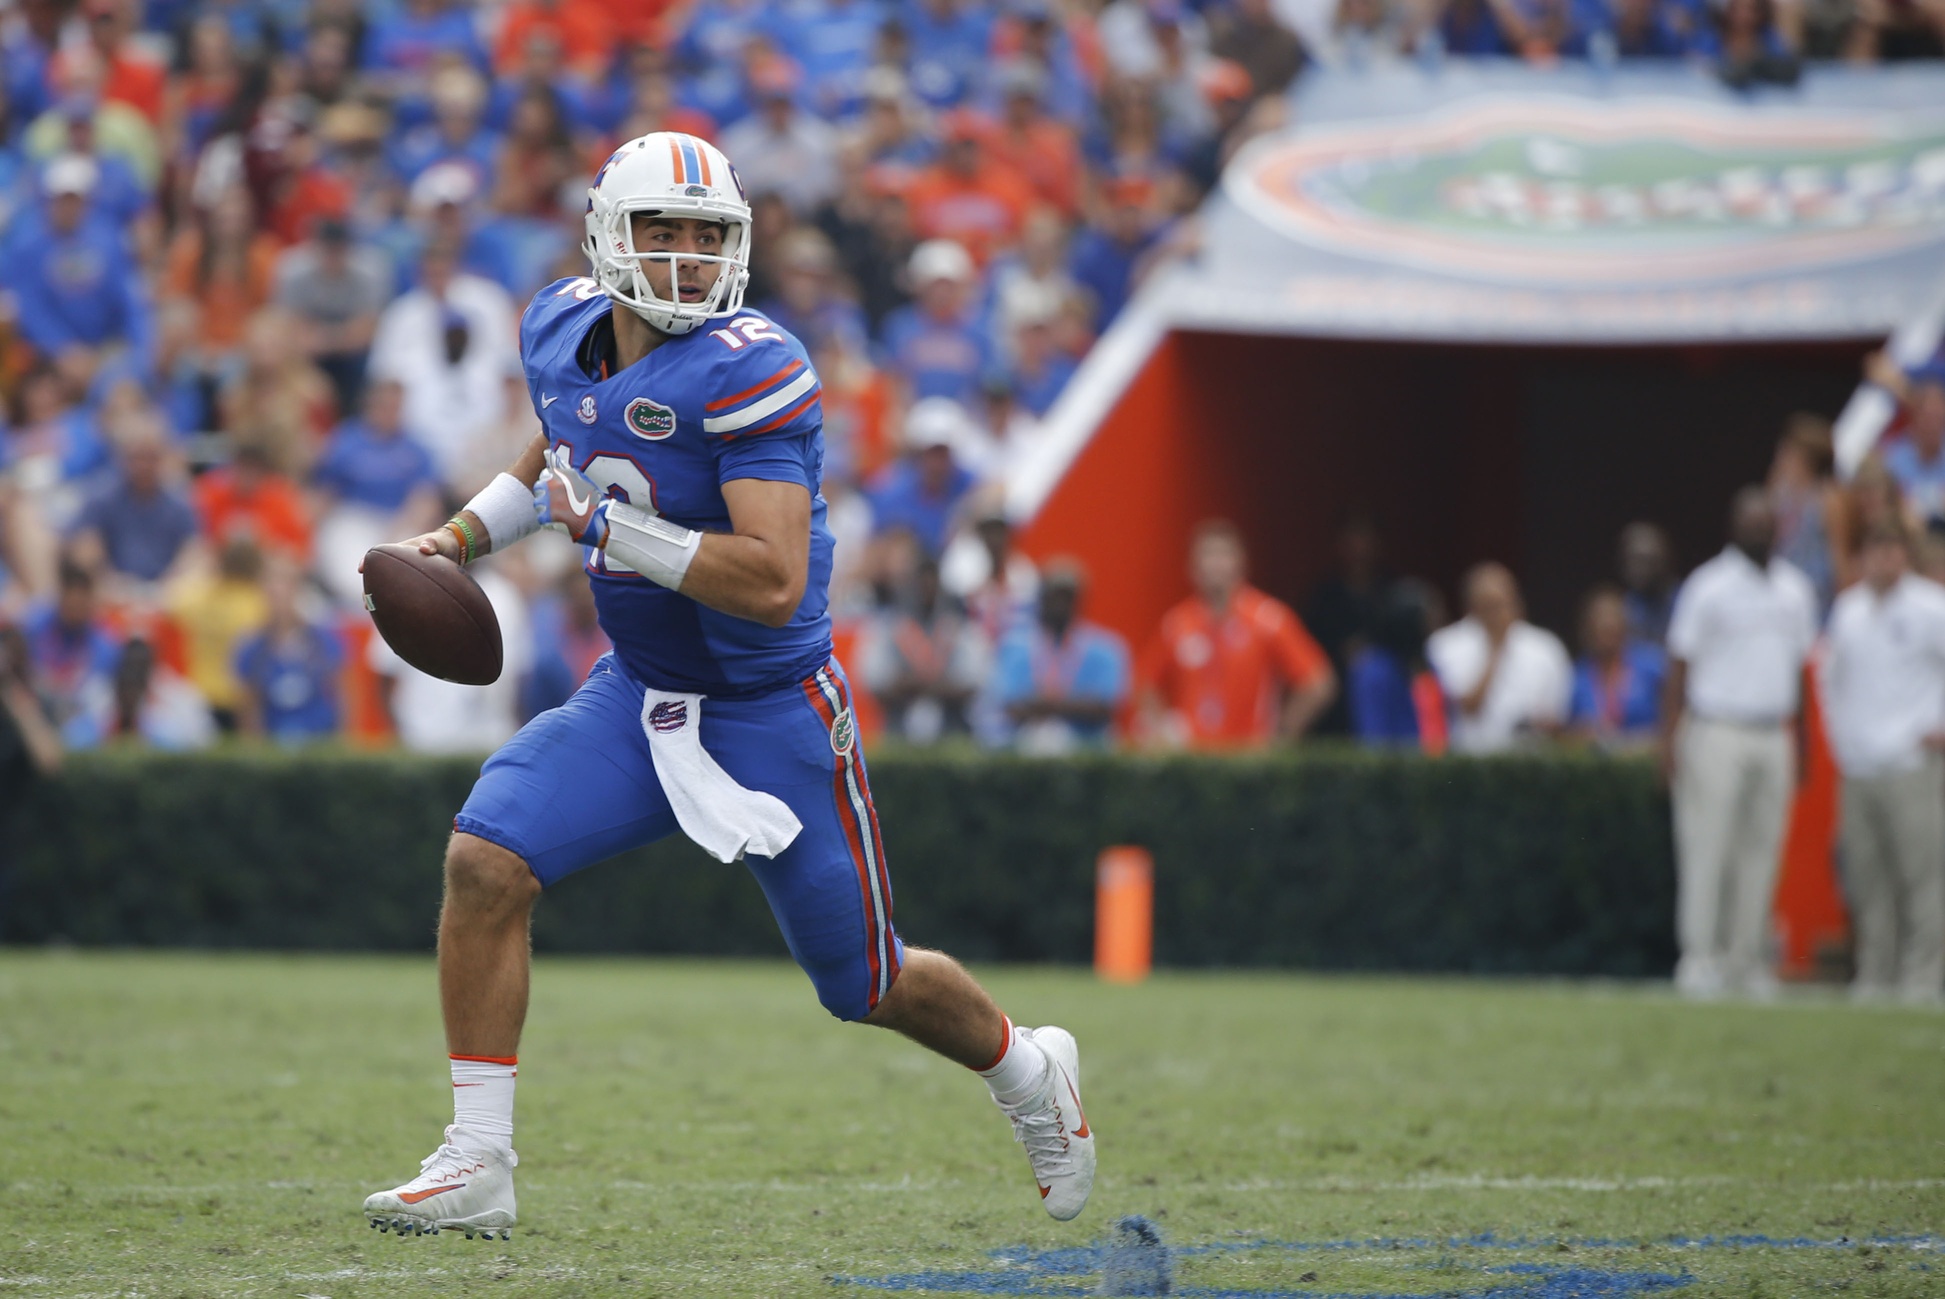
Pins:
x,y
469,539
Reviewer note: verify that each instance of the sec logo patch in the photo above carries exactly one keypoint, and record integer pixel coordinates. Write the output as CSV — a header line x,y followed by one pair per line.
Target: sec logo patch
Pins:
x,y
649,419
586,409
844,733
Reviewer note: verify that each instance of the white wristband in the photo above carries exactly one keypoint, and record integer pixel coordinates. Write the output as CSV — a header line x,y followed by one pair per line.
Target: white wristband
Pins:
x,y
657,549
507,510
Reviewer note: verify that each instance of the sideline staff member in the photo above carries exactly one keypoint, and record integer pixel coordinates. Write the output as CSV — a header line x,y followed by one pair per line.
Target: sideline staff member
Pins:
x,y
1737,640
1884,694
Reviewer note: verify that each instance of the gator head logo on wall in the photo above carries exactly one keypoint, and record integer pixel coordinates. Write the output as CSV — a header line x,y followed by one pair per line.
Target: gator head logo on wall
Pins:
x,y
1623,192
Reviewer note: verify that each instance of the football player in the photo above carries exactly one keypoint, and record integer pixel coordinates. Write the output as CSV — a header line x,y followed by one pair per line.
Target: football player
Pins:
x,y
682,446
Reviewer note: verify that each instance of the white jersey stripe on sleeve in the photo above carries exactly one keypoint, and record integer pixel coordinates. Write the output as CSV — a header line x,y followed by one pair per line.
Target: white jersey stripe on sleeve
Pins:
x,y
776,401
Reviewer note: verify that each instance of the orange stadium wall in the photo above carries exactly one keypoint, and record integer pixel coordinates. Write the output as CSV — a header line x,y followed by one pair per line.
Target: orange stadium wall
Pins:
x,y
1533,456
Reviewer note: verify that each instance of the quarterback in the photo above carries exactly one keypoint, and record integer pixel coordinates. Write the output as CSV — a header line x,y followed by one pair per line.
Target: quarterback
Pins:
x,y
682,446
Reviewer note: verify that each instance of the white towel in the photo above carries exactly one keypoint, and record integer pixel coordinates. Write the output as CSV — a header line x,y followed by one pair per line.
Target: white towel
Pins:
x,y
723,818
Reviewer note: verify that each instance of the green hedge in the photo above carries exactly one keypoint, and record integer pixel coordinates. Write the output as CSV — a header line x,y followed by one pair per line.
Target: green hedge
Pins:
x,y
1332,860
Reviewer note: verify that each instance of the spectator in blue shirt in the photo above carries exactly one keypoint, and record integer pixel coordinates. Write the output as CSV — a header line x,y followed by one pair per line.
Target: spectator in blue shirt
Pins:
x,y
808,302
1104,256
370,462
289,670
1617,682
74,278
142,525
50,438
1387,683
376,483
921,491
1917,460
1640,29
1040,368
833,41
949,40
456,134
936,343
404,44
709,57
74,657
1059,680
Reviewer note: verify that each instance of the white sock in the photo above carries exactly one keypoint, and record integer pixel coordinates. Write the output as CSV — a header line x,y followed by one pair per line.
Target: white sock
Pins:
x,y
482,1097
1018,1070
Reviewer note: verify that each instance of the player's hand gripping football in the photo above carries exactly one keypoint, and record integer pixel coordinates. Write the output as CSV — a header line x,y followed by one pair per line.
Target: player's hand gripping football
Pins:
x,y
437,542
566,501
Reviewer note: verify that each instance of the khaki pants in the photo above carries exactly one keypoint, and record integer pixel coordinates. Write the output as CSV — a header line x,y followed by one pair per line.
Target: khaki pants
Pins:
x,y
1732,793
1894,866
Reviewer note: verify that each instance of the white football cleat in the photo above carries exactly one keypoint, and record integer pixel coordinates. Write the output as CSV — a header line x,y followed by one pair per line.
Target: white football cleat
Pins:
x,y
1053,1127
469,1189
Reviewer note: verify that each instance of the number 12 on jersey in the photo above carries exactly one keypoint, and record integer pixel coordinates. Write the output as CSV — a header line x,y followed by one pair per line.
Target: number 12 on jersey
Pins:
x,y
754,329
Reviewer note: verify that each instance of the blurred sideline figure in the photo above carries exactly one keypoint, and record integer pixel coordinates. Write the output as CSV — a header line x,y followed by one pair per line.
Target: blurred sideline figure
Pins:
x,y
1883,677
1618,680
1509,682
1229,667
1742,628
1059,679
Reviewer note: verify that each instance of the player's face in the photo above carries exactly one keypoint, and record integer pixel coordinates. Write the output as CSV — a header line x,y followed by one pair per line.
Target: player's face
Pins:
x,y
673,277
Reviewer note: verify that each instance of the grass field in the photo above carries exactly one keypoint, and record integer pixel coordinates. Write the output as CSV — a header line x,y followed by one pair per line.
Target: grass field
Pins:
x,y
208,1125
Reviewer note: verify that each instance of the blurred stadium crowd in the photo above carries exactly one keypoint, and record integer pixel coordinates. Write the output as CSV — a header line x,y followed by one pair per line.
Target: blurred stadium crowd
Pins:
x,y
263,262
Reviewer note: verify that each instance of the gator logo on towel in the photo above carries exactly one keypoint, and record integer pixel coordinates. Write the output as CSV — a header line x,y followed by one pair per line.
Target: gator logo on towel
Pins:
x,y
649,419
669,715
844,733
1622,192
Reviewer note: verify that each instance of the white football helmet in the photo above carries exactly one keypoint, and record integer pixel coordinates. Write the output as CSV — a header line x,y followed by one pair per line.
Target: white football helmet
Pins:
x,y
678,176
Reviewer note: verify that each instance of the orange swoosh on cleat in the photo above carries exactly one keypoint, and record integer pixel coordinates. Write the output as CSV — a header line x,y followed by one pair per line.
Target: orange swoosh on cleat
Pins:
x,y
1044,1190
1081,1131
413,1197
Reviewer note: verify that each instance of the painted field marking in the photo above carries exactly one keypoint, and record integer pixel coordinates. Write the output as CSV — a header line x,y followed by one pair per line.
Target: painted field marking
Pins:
x,y
1025,1271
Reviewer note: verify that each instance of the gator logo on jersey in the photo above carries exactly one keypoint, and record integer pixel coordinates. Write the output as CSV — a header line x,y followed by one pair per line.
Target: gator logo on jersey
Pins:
x,y
649,419
669,715
844,733
587,410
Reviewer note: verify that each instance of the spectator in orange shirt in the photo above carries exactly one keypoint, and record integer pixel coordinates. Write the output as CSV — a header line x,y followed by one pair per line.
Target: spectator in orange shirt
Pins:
x,y
220,271
1230,667
128,76
968,197
581,30
248,500
1035,146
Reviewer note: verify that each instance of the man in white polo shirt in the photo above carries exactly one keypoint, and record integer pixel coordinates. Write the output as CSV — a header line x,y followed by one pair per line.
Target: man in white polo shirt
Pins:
x,y
1742,627
1884,695
1509,682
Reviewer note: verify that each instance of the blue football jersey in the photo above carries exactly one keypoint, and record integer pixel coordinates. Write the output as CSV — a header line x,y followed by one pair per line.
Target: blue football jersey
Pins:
x,y
739,400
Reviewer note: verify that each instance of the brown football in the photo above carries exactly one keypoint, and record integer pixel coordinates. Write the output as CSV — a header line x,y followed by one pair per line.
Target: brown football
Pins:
x,y
433,614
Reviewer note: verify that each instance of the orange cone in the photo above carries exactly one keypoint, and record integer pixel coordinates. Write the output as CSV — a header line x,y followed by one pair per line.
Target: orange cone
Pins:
x,y
1124,914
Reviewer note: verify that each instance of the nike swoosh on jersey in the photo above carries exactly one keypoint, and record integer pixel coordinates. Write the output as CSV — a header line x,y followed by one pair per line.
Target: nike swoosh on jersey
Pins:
x,y
546,401
413,1197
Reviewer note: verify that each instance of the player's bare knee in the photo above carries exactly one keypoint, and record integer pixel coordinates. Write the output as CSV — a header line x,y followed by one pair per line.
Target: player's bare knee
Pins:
x,y
482,876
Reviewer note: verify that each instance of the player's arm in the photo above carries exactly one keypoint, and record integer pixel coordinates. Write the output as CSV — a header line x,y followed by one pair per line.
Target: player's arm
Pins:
x,y
500,515
756,570
759,570
1307,702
